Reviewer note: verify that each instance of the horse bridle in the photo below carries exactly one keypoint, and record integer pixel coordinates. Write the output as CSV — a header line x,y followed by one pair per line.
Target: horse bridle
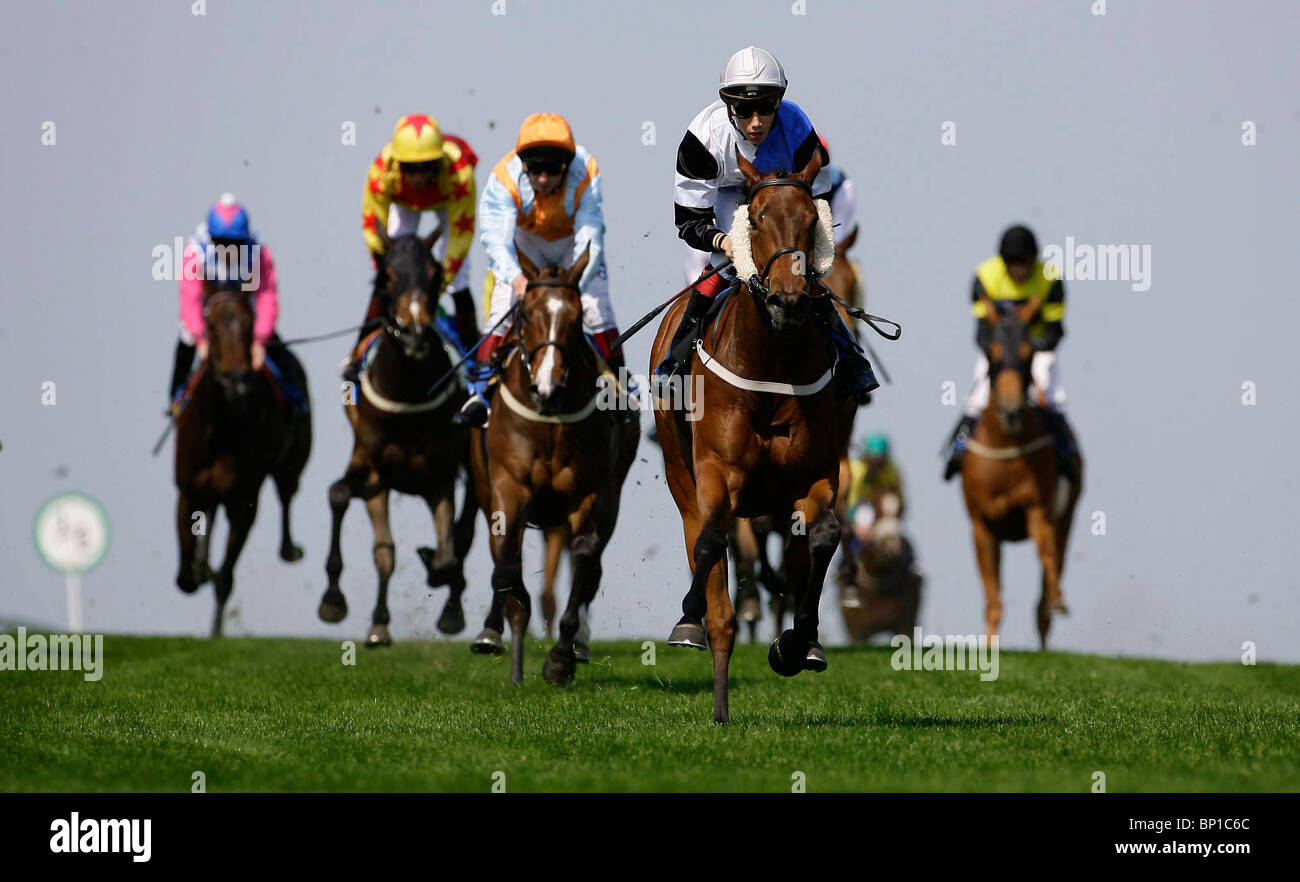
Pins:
x,y
521,317
758,283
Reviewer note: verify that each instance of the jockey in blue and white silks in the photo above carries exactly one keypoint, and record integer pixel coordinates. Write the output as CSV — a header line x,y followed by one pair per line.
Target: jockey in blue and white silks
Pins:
x,y
751,116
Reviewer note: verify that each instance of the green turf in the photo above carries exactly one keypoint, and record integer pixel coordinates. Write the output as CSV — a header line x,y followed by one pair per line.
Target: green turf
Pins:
x,y
277,714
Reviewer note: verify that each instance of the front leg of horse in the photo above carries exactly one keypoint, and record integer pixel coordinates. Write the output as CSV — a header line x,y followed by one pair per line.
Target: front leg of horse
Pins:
x,y
808,556
333,606
241,515
286,485
988,554
1043,531
385,559
442,564
561,661
507,571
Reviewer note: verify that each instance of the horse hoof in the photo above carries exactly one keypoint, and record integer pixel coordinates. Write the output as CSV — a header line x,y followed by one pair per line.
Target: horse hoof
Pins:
x,y
488,642
187,583
557,669
1058,609
333,612
815,661
689,634
436,576
290,553
780,661
452,620
378,636
581,652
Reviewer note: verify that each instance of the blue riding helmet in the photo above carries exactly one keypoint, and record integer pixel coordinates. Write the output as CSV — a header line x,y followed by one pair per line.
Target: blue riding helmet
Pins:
x,y
876,445
227,220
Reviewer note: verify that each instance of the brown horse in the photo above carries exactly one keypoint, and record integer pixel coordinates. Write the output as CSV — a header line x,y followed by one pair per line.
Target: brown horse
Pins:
x,y
885,594
557,544
767,440
552,457
235,430
1010,480
403,440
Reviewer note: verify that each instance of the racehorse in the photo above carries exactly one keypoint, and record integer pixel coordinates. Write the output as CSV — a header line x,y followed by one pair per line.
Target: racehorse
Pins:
x,y
884,595
403,439
767,437
552,457
234,428
1010,479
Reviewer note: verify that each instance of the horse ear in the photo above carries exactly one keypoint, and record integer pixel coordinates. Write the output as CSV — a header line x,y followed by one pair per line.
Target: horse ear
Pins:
x,y
747,168
525,264
809,172
579,267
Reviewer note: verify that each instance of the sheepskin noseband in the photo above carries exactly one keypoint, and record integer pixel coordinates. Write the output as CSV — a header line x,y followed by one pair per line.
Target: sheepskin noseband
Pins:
x,y
823,256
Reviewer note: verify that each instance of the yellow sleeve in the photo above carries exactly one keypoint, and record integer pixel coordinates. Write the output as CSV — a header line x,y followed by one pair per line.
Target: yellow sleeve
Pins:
x,y
460,207
857,483
374,203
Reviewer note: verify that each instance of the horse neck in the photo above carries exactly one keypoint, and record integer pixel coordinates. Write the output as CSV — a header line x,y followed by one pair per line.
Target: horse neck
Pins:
x,y
404,379
747,346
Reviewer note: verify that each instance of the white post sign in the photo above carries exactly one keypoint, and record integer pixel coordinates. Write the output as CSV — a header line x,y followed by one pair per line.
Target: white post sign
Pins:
x,y
71,533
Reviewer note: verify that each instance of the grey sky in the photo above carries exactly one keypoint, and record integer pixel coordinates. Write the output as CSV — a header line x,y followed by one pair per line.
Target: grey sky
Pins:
x,y
1123,128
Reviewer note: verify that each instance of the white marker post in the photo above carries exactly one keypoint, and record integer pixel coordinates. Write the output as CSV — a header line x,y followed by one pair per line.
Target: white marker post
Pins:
x,y
71,532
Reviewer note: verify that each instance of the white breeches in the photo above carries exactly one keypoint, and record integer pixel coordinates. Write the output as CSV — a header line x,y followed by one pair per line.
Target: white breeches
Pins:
x,y
1043,372
597,311
403,220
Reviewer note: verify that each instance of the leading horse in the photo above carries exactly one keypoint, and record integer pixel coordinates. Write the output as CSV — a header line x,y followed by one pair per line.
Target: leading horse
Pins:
x,y
1010,480
234,428
767,437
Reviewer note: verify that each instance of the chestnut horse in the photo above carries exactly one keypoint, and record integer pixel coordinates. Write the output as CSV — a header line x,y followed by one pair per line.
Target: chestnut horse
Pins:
x,y
552,457
768,437
233,430
884,595
1010,480
403,440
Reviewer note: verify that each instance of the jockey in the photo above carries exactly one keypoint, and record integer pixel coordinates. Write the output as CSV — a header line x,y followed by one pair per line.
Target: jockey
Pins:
x,y
224,248
873,473
422,170
544,199
843,200
773,134
1014,275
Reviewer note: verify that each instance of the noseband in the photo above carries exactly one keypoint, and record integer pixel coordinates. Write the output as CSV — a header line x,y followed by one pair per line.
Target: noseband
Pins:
x,y
521,318
758,284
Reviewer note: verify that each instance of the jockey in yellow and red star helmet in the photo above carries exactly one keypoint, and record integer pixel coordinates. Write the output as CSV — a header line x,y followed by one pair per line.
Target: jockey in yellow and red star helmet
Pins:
x,y
424,170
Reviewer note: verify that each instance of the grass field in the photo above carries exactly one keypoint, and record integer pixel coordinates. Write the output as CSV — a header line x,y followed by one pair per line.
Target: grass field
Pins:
x,y
279,714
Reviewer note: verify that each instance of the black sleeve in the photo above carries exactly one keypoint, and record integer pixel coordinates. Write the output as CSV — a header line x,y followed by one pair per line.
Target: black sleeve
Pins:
x,y
1052,332
804,155
696,226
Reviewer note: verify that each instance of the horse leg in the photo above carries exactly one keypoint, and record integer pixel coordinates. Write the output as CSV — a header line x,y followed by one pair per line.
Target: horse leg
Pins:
x,y
186,578
240,515
286,485
1043,531
744,549
709,596
507,570
444,566
561,661
333,606
555,541
988,554
808,555
488,641
385,556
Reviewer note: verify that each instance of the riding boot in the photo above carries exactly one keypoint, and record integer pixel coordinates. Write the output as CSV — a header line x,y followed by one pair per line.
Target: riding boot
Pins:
x,y
853,372
957,446
1064,443
475,412
180,371
696,308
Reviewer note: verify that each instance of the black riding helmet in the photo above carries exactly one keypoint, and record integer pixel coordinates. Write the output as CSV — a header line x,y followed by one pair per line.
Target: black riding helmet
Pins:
x,y
1018,246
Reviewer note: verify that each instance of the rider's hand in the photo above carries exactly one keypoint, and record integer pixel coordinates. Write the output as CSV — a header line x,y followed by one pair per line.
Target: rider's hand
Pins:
x,y
259,355
202,347
518,286
726,248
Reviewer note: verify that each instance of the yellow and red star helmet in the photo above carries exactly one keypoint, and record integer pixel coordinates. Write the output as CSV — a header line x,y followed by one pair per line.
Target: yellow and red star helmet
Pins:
x,y
545,130
417,139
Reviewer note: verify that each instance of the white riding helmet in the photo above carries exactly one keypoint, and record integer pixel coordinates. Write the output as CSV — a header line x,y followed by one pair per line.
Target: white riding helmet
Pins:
x,y
752,73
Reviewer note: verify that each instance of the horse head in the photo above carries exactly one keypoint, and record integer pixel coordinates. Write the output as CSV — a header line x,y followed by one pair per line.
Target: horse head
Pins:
x,y
228,315
550,328
776,249
412,280
1009,353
